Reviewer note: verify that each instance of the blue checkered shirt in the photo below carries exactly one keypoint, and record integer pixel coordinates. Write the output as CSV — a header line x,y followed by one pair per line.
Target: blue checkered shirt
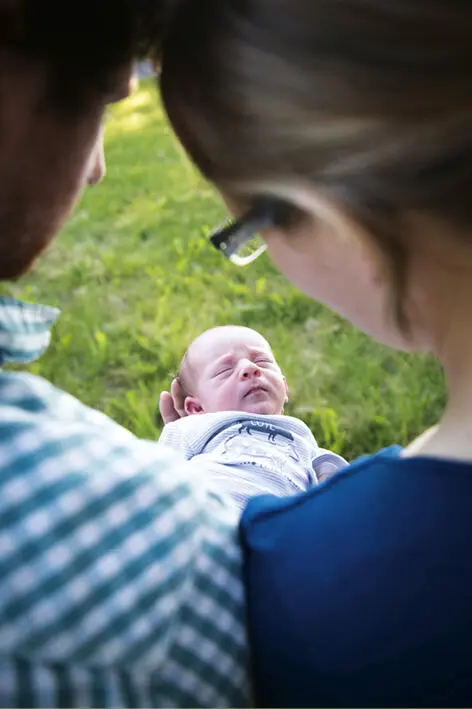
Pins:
x,y
120,575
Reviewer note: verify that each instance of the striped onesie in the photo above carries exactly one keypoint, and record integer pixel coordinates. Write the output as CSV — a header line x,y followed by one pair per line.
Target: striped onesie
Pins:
x,y
249,454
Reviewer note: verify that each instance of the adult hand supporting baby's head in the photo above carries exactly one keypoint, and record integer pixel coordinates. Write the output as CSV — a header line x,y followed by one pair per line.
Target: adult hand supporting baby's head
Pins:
x,y
172,404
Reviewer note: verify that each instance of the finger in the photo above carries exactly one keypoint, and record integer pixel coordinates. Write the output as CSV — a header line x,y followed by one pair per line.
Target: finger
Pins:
x,y
167,408
178,396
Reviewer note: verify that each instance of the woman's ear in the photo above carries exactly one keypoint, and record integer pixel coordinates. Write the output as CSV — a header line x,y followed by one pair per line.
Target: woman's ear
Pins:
x,y
192,406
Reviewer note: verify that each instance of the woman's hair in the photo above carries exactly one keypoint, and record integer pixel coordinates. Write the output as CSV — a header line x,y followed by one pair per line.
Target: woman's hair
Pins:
x,y
369,101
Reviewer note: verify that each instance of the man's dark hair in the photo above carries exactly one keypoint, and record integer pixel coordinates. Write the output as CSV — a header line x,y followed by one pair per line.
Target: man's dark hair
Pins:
x,y
85,39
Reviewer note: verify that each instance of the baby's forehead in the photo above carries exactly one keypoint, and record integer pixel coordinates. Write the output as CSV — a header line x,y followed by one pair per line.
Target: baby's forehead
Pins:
x,y
221,342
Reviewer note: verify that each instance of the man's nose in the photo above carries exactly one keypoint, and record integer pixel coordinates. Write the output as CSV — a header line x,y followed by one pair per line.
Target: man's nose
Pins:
x,y
97,166
248,370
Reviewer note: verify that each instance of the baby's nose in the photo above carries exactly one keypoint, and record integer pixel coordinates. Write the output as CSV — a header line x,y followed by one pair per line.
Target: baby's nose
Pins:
x,y
250,370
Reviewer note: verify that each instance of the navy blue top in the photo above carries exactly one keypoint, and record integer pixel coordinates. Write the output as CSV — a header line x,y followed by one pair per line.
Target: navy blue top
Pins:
x,y
360,590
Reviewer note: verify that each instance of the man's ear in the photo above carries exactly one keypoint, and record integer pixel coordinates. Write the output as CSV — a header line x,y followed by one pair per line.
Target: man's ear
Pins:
x,y
286,390
192,406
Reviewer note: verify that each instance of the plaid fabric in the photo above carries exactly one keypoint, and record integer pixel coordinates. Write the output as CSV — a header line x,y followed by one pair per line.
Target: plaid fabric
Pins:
x,y
24,329
120,575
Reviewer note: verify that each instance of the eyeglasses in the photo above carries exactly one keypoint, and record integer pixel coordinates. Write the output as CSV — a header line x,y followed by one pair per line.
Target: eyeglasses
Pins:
x,y
238,239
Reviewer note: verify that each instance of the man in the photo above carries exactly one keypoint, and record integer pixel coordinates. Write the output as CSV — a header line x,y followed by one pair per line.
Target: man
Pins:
x,y
120,579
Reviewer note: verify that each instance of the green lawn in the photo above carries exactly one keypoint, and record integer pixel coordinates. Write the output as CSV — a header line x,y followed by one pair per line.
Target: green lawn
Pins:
x,y
136,280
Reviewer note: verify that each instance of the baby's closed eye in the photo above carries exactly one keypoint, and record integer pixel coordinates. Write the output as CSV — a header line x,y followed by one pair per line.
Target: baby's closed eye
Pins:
x,y
264,361
222,372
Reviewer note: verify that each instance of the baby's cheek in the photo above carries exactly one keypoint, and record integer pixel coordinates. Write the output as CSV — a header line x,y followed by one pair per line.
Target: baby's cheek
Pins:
x,y
230,396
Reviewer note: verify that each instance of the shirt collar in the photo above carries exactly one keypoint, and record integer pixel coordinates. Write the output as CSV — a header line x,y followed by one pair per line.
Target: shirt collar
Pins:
x,y
24,329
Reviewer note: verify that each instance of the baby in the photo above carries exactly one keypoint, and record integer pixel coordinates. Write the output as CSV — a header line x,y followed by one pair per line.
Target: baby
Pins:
x,y
235,396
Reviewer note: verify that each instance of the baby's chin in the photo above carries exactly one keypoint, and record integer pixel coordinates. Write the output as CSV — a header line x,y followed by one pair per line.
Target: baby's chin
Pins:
x,y
264,408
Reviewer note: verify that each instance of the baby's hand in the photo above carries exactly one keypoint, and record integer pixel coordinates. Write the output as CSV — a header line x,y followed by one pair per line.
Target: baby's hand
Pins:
x,y
172,405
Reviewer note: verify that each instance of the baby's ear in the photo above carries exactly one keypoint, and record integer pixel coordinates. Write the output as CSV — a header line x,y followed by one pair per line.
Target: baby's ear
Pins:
x,y
286,390
192,406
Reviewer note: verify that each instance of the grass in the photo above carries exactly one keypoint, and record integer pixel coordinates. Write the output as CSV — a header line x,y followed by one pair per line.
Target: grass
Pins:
x,y
136,280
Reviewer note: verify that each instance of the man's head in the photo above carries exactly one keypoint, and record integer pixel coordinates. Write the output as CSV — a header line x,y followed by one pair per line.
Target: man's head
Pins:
x,y
232,368
61,63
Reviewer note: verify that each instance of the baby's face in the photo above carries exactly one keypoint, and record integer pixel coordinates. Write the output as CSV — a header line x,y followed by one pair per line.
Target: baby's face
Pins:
x,y
233,369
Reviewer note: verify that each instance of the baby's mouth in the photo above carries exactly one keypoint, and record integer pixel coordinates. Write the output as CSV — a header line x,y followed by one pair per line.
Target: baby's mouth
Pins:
x,y
255,389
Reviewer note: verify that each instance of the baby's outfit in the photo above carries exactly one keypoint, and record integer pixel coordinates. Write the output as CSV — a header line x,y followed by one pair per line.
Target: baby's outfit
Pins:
x,y
252,454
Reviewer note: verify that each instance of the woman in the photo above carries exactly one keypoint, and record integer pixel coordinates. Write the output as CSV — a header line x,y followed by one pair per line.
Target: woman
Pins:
x,y
343,131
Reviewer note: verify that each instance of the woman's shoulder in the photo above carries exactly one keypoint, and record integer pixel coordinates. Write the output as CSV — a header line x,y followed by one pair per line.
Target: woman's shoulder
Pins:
x,y
380,481
360,572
